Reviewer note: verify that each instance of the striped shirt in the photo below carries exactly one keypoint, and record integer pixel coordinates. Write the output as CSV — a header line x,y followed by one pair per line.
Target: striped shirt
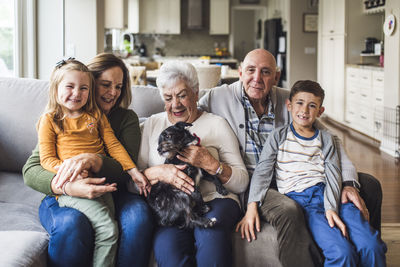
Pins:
x,y
300,162
257,131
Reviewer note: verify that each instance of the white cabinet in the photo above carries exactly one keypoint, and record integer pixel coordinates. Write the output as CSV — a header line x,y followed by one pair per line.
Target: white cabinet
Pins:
x,y
331,58
219,17
115,14
364,101
332,76
155,16
332,13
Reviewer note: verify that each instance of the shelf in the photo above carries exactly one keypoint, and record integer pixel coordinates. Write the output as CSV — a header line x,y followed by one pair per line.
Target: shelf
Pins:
x,y
374,10
369,55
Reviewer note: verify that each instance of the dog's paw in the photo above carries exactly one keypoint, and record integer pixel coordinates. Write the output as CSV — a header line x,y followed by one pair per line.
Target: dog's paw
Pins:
x,y
211,222
222,190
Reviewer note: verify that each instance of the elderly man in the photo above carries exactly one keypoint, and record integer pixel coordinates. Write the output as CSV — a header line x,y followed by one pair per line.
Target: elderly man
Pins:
x,y
254,106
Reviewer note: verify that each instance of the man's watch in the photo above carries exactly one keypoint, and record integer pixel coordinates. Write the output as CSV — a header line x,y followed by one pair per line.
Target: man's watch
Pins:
x,y
352,184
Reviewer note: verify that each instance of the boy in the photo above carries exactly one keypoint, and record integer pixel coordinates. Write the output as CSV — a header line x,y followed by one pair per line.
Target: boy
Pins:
x,y
305,163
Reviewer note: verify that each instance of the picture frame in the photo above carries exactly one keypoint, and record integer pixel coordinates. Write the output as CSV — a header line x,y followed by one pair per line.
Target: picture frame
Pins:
x,y
310,22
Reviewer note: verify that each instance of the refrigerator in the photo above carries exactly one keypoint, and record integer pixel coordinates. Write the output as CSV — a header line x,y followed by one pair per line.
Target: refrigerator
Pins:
x,y
275,42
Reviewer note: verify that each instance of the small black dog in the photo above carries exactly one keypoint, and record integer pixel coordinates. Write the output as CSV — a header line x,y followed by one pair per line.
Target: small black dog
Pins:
x,y
172,206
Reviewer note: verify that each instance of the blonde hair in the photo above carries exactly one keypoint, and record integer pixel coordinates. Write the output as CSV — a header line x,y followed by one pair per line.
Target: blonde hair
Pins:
x,y
54,107
104,61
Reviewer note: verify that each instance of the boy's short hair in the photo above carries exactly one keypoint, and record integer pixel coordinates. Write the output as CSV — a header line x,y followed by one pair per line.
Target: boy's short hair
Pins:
x,y
308,87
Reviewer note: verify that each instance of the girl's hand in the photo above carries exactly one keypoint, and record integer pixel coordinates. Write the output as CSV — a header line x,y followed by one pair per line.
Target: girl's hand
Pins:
x,y
250,219
72,167
89,188
334,219
140,180
170,174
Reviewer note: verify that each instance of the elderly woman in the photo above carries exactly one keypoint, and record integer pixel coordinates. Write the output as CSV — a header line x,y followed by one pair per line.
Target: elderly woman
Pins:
x,y
71,236
218,154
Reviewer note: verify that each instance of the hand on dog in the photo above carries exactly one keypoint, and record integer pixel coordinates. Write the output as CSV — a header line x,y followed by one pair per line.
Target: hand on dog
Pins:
x,y
170,174
250,219
140,180
198,156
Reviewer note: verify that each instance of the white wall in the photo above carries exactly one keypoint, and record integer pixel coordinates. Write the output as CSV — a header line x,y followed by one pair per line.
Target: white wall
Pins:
x,y
301,65
49,36
68,28
81,29
392,80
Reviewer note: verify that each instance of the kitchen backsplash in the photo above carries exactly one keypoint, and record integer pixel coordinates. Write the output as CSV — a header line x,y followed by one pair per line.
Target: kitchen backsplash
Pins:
x,y
189,42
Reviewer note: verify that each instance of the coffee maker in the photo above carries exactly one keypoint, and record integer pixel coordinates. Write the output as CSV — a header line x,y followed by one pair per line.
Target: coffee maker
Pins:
x,y
370,45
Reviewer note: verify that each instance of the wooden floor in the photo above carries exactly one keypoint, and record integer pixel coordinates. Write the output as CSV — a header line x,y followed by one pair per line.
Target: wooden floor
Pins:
x,y
366,156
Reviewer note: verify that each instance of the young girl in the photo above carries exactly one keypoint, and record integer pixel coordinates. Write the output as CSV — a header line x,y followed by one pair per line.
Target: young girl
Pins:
x,y
71,125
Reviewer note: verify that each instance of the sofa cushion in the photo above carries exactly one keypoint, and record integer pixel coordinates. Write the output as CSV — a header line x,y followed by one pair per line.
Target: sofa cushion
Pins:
x,y
261,252
23,248
22,102
146,101
19,204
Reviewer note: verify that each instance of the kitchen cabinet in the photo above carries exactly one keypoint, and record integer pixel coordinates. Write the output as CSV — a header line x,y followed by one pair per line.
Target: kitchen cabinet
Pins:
x,y
154,16
332,76
219,17
115,14
332,13
364,100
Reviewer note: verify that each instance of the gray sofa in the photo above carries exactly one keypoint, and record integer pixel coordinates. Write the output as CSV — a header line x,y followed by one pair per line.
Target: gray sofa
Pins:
x,y
23,241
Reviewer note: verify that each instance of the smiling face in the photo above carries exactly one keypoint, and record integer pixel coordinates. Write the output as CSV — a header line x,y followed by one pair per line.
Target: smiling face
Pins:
x,y
180,103
108,88
258,74
305,109
73,92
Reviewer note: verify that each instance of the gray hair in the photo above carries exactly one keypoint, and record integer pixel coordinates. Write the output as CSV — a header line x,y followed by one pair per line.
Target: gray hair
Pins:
x,y
175,71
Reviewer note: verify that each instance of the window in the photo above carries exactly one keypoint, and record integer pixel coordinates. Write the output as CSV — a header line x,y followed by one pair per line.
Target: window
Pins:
x,y
7,38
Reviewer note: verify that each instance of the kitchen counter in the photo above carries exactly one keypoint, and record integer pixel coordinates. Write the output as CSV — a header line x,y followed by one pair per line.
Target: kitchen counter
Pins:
x,y
231,76
367,67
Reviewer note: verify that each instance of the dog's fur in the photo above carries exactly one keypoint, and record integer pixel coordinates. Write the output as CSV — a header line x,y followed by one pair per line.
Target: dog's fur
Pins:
x,y
172,206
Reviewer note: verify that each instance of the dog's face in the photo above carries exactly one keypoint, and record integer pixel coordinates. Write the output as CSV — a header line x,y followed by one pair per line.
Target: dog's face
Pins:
x,y
174,139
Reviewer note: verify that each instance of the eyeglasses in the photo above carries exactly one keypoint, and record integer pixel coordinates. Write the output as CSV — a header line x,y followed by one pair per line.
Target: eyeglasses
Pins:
x,y
62,62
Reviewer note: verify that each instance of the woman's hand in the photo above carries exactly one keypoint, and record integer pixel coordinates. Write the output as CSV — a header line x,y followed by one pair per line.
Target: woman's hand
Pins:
x,y
199,156
170,174
334,219
73,167
250,219
87,188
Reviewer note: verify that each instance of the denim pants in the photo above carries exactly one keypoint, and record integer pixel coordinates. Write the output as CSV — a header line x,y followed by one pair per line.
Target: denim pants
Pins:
x,y
364,247
199,247
101,214
72,237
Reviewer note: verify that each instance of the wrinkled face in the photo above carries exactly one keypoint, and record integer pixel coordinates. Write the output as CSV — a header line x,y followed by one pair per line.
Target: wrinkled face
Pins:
x,y
258,74
73,92
108,88
305,109
180,103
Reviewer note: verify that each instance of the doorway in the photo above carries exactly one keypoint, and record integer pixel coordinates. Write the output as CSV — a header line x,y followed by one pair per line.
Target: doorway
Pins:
x,y
247,30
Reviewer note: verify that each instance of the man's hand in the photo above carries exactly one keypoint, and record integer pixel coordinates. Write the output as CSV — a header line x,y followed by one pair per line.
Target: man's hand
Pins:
x,y
250,219
349,193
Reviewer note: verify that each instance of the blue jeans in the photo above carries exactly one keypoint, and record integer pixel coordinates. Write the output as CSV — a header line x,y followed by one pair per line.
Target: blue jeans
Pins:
x,y
199,247
72,238
364,247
